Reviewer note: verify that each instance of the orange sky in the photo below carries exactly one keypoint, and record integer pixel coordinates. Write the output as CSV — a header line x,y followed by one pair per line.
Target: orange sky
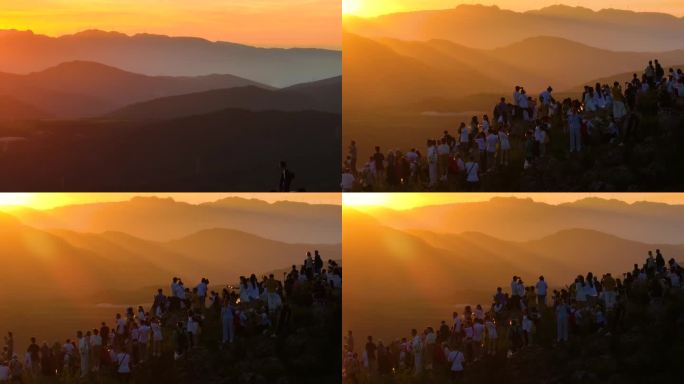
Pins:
x,y
379,7
270,23
9,201
404,201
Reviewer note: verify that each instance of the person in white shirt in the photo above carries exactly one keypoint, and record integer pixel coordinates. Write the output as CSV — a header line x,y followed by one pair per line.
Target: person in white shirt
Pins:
x,y
562,313
590,289
411,156
4,372
599,100
157,338
122,360
134,337
144,332
347,183
516,100
472,170
182,295
430,343
486,125
580,291
479,312
120,325
541,288
540,139
575,130
463,138
192,328
524,104
68,347
478,337
492,142
528,329
227,320
492,336
504,147
456,327
174,300
417,348
96,348
202,292
515,293
642,277
460,164
84,351
545,96
589,100
481,142
456,358
433,159
443,151
253,286
468,333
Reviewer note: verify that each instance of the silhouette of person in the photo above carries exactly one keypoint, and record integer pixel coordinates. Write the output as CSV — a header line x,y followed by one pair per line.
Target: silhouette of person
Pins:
x,y
286,177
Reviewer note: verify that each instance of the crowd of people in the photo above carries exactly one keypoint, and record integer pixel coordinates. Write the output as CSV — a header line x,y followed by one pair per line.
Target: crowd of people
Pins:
x,y
175,320
458,160
588,305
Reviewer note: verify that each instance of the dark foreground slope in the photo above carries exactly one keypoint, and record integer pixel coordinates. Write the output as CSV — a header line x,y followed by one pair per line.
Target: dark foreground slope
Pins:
x,y
642,341
307,353
232,150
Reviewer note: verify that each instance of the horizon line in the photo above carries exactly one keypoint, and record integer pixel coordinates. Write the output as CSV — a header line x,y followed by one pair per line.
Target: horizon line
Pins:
x,y
519,11
401,202
136,34
12,202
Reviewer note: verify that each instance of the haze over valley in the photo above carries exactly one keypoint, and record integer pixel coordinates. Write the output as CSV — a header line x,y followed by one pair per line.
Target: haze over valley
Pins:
x,y
417,266
80,264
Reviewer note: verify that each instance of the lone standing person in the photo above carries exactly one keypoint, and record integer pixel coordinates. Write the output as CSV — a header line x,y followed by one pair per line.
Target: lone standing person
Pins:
x,y
286,177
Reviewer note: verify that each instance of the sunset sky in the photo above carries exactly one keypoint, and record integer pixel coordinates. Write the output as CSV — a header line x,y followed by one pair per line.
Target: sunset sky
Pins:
x,y
404,201
9,201
368,8
270,23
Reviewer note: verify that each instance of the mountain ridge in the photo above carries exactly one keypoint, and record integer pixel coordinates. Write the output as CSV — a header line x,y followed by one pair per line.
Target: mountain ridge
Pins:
x,y
165,219
641,29
168,55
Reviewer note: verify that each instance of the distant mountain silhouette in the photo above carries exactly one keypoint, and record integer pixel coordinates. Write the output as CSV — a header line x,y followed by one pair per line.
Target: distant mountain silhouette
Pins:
x,y
234,252
388,72
165,219
148,54
573,63
646,222
228,150
327,91
86,89
325,96
489,27
376,75
70,265
42,263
